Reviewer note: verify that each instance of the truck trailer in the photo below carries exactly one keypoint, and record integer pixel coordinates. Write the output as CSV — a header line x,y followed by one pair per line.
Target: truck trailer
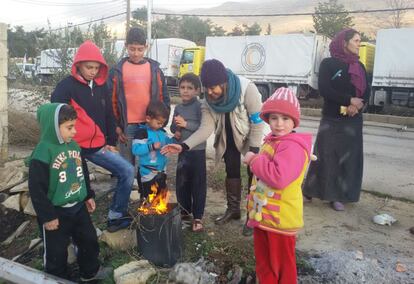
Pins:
x,y
393,75
270,61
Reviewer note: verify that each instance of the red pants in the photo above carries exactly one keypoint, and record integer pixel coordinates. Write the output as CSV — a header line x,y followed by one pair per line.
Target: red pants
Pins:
x,y
275,257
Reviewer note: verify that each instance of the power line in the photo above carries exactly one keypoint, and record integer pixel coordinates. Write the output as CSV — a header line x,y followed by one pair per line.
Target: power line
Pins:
x,y
47,3
91,21
286,14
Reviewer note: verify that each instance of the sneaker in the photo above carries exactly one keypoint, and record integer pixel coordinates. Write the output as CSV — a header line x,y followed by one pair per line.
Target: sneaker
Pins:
x,y
102,274
118,224
337,206
307,199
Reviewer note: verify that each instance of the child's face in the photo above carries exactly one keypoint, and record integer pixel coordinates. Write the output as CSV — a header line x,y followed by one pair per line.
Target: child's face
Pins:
x,y
155,123
280,124
188,91
89,69
136,51
67,130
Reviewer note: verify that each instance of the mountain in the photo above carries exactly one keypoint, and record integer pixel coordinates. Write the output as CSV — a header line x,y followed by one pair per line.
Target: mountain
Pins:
x,y
368,23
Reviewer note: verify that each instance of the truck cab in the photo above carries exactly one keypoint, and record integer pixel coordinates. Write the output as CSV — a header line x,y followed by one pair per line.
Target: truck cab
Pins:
x,y
191,60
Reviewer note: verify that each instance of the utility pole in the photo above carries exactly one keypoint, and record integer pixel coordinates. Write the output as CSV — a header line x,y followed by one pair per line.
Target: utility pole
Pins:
x,y
128,17
149,20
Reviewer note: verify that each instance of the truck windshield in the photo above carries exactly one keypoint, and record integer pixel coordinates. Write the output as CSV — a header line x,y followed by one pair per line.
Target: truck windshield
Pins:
x,y
187,57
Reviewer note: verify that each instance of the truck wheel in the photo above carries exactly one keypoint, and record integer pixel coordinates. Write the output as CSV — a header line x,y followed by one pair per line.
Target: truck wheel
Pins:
x,y
264,91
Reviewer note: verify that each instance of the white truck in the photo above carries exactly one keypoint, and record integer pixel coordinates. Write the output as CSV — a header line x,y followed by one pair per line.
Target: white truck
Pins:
x,y
168,51
271,61
393,75
52,61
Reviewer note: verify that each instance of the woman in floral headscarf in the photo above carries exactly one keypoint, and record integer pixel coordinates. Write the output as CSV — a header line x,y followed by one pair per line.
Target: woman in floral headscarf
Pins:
x,y
337,174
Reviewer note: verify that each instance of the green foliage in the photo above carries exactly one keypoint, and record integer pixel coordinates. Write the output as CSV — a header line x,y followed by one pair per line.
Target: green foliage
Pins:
x,y
269,29
20,42
167,27
254,29
139,18
236,31
331,17
195,29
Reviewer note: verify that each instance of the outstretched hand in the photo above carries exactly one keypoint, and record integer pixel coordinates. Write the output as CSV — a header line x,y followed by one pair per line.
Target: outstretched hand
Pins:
x,y
171,149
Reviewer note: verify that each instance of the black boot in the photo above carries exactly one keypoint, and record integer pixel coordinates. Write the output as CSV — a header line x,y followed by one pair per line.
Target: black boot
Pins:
x,y
233,190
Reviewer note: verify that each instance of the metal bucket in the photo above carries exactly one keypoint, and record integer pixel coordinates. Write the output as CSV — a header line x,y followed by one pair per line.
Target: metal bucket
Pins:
x,y
160,237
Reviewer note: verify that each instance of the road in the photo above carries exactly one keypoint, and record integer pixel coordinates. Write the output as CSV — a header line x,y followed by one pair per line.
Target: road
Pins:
x,y
388,157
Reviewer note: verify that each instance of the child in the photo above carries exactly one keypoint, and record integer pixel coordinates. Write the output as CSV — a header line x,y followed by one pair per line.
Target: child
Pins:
x,y
60,197
275,201
146,145
191,166
135,82
87,92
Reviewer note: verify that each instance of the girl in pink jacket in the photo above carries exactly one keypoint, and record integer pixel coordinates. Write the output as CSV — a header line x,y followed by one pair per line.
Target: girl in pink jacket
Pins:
x,y
275,202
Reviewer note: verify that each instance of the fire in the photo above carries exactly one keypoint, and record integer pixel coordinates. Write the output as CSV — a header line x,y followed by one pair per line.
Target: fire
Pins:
x,y
156,203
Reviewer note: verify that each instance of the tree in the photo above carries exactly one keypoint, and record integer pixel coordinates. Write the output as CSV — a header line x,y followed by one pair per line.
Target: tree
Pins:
x,y
195,29
167,27
217,30
139,18
398,14
236,31
254,29
331,17
269,29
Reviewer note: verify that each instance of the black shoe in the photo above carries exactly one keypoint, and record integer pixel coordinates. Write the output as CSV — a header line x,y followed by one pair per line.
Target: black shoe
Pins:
x,y
114,225
247,231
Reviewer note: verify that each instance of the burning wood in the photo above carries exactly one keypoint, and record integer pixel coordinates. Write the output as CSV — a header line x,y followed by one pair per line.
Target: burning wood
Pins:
x,y
157,202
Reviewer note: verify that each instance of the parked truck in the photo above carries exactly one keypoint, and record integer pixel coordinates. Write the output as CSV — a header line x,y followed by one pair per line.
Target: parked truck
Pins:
x,y
52,61
168,52
270,61
393,75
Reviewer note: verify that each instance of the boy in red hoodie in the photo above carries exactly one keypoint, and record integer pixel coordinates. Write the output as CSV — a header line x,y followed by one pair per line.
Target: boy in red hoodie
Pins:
x,y
275,202
87,92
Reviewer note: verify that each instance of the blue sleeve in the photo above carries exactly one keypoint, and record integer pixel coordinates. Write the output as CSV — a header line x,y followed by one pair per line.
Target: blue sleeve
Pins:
x,y
140,145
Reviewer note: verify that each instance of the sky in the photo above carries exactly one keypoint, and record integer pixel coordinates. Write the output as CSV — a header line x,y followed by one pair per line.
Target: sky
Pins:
x,y
33,14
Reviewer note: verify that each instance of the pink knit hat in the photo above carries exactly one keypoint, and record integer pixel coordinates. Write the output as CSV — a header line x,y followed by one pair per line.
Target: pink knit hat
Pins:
x,y
282,101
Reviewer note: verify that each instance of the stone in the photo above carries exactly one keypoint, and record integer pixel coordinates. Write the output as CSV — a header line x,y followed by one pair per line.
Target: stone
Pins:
x,y
3,196
123,239
34,242
24,199
17,233
29,210
13,202
190,273
15,164
101,170
23,187
135,272
134,196
9,177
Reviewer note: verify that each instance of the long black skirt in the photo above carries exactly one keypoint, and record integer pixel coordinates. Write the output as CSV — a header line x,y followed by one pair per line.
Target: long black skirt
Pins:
x,y
337,173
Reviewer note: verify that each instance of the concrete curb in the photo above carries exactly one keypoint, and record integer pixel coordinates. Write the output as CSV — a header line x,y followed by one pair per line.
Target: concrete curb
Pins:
x,y
385,119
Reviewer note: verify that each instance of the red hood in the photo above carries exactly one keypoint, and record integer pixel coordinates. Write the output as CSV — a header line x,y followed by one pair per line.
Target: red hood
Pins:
x,y
88,51
303,139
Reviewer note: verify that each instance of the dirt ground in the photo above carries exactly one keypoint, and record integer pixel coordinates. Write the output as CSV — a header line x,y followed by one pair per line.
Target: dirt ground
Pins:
x,y
325,231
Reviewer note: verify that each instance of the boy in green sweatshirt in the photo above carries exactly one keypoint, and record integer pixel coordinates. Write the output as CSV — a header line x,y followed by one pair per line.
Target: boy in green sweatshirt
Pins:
x,y
60,197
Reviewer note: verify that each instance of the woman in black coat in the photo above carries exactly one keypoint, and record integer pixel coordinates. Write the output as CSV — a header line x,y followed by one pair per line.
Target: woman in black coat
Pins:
x,y
337,174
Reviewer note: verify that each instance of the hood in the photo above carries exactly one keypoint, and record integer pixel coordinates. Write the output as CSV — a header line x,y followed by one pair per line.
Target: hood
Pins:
x,y
88,51
303,139
48,118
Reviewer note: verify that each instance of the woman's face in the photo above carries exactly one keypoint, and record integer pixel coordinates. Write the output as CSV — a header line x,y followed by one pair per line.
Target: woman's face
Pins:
x,y
352,46
215,92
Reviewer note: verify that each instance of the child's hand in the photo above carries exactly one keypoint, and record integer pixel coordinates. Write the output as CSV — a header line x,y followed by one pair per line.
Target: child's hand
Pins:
x,y
171,149
121,135
52,225
177,135
248,157
90,205
180,121
156,145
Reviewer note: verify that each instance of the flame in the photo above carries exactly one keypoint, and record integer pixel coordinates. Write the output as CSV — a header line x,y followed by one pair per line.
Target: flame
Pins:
x,y
156,203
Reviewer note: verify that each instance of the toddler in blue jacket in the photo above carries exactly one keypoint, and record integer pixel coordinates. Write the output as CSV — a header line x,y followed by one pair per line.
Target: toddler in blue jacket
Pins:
x,y
148,141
